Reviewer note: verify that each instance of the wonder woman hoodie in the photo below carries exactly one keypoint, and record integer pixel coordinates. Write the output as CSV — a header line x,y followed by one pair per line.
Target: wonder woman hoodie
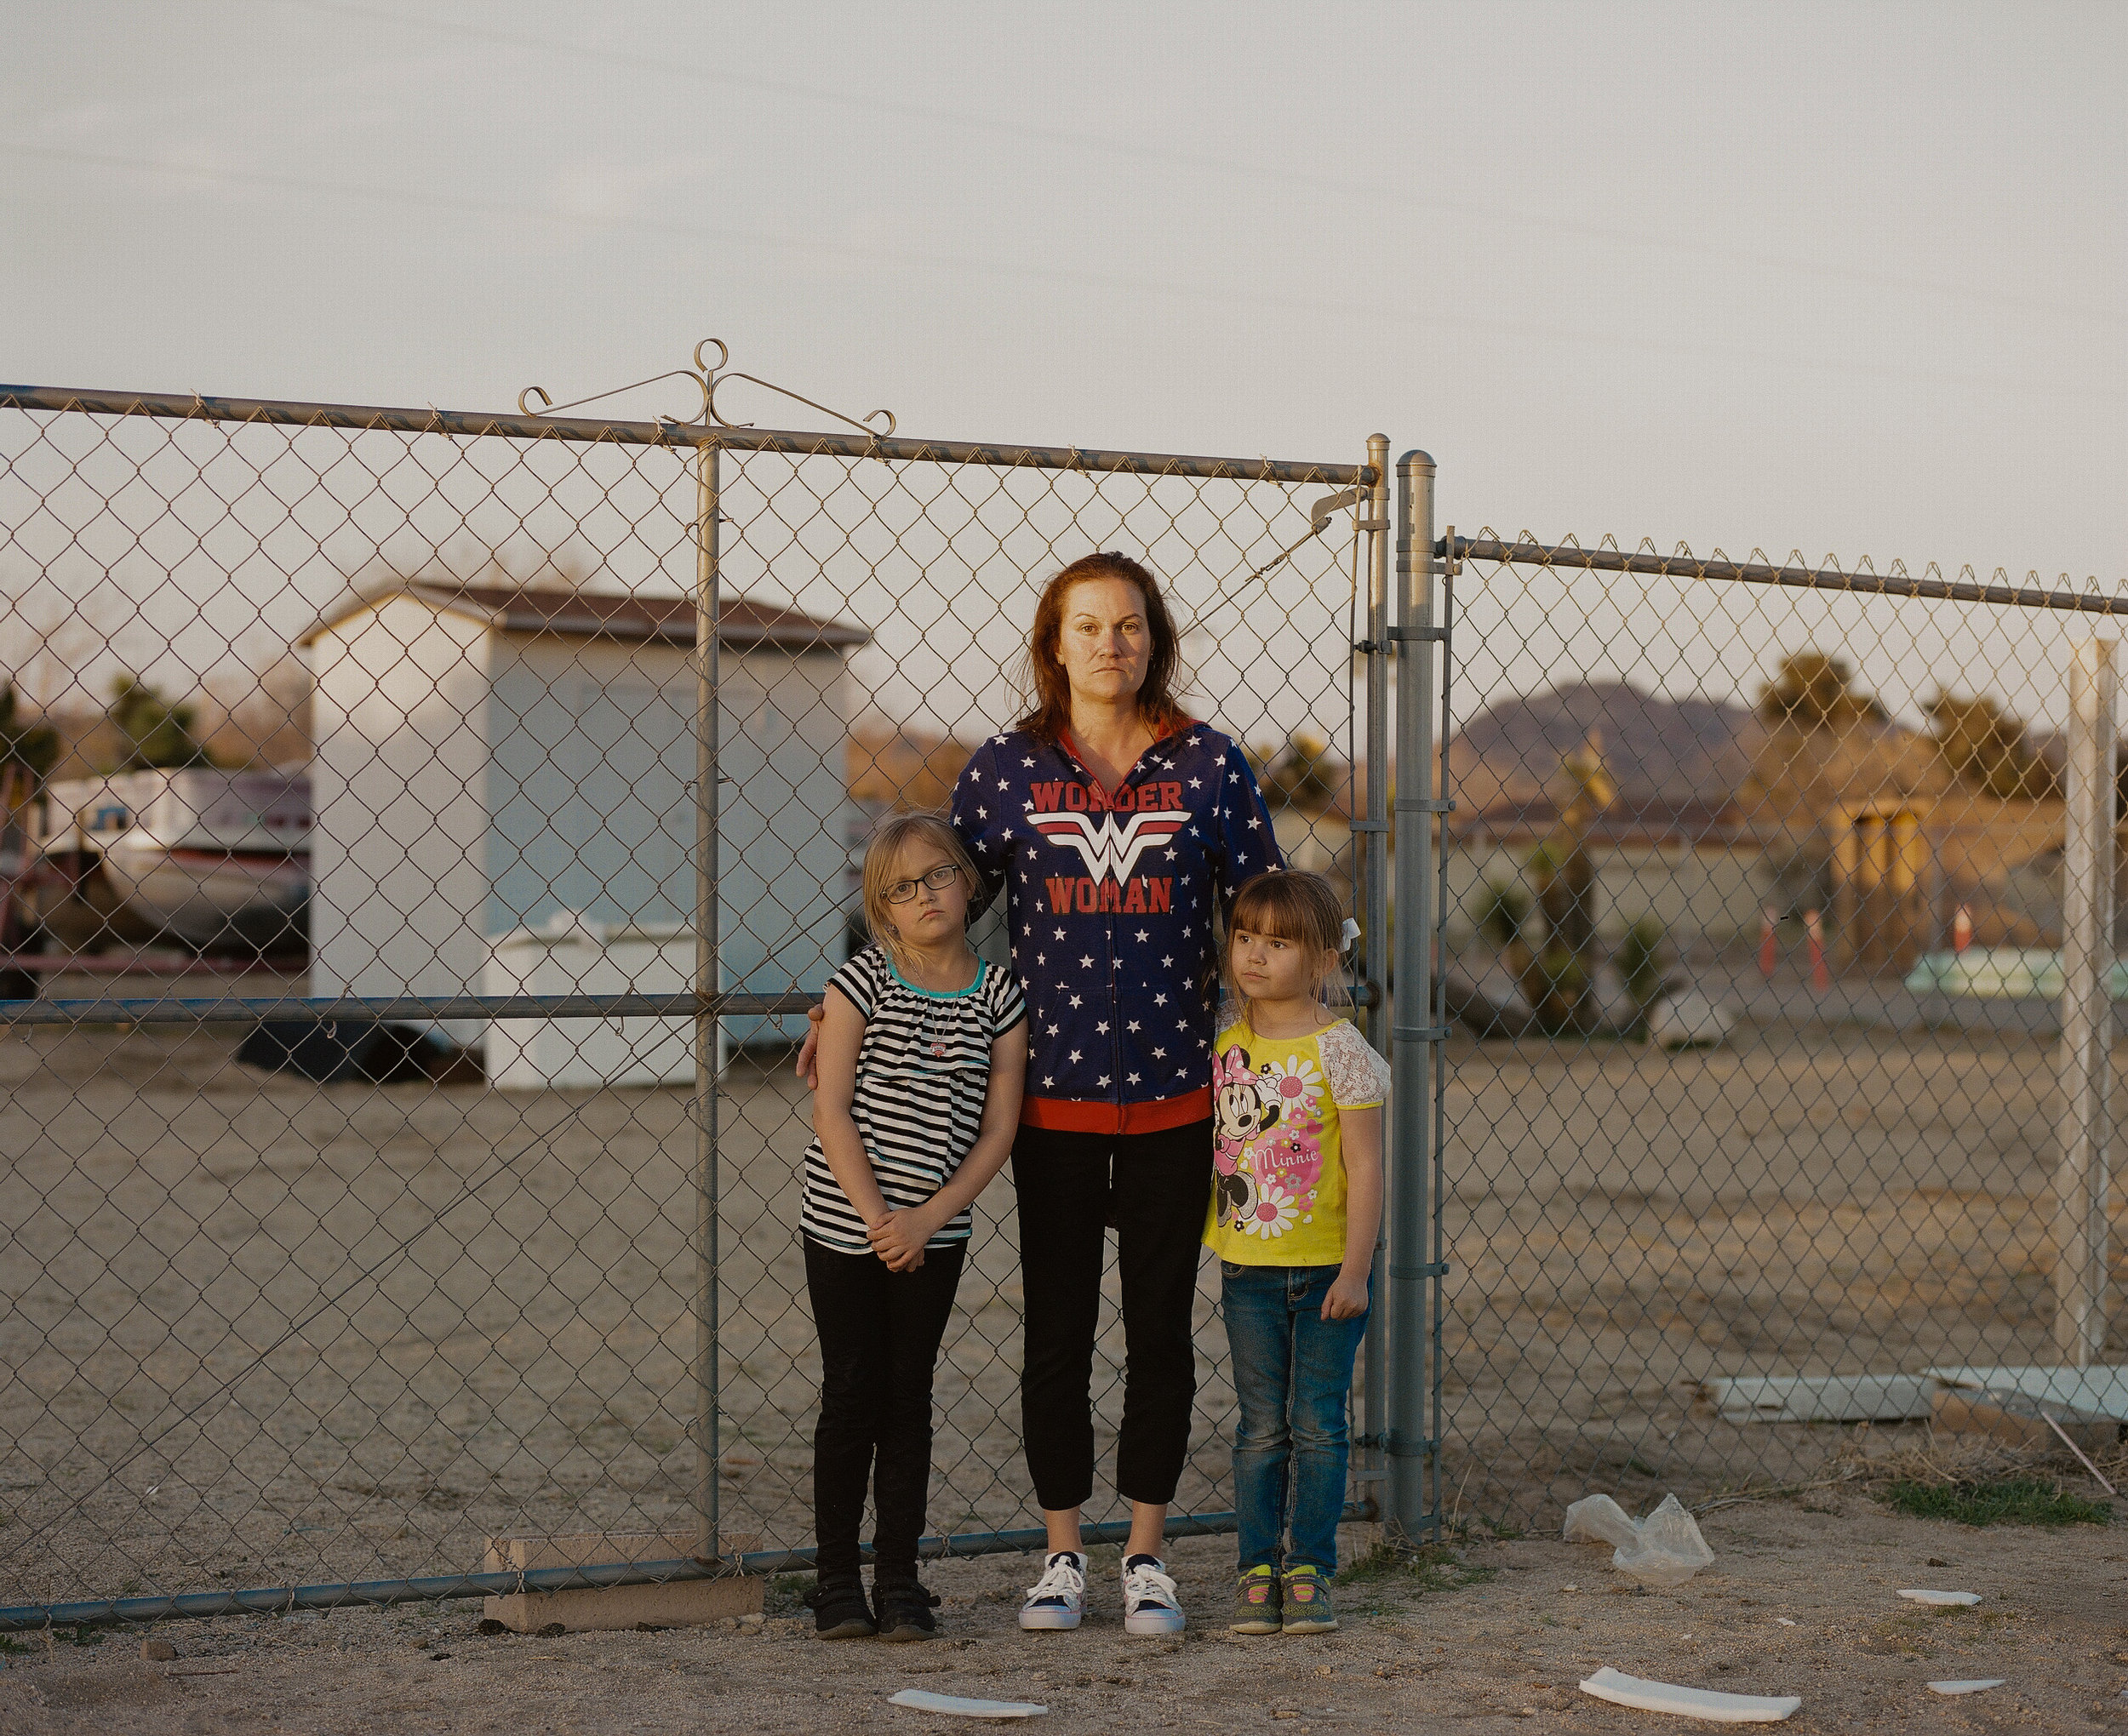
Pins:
x,y
1108,902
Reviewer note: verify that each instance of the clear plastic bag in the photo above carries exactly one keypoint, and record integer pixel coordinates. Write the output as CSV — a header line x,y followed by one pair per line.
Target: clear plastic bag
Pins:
x,y
1664,1549
1599,1519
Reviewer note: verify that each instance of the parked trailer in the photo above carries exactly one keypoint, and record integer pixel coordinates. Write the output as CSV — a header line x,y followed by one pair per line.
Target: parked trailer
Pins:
x,y
218,860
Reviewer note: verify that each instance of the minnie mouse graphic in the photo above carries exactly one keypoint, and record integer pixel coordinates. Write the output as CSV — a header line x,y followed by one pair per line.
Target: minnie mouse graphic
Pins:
x,y
1266,1151
1244,1107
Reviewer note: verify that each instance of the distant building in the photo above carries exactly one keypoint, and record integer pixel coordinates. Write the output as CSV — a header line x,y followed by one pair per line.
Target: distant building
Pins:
x,y
492,762
1674,842
1720,814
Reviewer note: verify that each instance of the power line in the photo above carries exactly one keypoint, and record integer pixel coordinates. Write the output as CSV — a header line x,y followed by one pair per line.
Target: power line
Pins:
x,y
1354,313
1329,183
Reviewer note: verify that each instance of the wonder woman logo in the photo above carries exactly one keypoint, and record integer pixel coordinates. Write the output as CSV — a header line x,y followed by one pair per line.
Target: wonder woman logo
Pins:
x,y
1109,848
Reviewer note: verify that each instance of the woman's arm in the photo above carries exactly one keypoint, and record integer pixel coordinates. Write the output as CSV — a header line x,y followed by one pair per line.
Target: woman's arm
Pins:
x,y
842,1032
1359,1135
914,1227
1243,843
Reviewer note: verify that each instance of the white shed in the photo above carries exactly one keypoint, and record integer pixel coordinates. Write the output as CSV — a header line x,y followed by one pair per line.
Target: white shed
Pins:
x,y
494,765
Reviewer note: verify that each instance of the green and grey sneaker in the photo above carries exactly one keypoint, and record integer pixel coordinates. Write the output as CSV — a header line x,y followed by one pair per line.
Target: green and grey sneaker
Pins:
x,y
1255,1602
1306,1605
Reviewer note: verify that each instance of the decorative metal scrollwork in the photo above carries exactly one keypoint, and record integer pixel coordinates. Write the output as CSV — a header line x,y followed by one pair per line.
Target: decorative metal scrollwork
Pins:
x,y
706,376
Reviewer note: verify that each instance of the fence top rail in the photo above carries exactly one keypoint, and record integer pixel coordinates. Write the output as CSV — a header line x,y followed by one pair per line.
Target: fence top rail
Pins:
x,y
1793,572
678,436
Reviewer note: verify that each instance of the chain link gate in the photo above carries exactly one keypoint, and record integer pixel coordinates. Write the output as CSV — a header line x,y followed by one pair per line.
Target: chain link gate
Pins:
x,y
1750,903
402,1138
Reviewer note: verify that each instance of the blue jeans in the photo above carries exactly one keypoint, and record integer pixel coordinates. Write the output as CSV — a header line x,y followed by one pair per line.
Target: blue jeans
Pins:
x,y
1293,1374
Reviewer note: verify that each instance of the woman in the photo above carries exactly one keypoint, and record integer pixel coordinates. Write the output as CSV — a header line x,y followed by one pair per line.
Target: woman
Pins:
x,y
1115,826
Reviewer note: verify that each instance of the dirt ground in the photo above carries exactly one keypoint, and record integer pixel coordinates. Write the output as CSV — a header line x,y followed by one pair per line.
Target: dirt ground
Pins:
x,y
255,1332
1801,1599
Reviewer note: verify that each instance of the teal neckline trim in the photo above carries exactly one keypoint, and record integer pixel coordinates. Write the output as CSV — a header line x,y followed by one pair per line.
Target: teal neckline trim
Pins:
x,y
982,965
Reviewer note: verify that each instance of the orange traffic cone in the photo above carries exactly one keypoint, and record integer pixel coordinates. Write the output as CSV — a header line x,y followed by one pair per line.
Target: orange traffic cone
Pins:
x,y
1961,929
1820,978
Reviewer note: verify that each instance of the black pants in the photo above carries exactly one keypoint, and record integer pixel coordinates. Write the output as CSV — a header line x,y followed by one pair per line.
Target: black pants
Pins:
x,y
879,1333
1154,1186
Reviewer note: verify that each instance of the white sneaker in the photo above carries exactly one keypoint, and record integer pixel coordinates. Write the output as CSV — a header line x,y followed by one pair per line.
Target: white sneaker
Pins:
x,y
1058,1598
1150,1603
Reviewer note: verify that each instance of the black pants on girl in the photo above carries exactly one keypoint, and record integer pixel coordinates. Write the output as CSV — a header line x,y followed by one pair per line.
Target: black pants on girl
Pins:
x,y
1155,1188
879,1333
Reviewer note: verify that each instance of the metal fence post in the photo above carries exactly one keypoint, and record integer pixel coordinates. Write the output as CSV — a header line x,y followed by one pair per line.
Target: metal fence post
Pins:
x,y
1374,910
2080,1235
1405,1518
707,984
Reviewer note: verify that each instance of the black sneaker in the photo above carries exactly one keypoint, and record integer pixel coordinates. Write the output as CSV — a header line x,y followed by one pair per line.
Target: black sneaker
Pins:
x,y
839,1609
904,1610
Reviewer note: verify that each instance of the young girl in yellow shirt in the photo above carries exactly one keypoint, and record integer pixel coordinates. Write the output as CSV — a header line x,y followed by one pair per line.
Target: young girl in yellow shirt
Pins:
x,y
1296,1199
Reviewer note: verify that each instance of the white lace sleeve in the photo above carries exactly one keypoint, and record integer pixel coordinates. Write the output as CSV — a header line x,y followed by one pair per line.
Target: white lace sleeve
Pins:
x,y
1359,1077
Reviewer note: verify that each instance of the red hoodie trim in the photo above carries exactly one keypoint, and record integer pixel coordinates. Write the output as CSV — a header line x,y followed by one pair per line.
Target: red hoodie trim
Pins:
x,y
1073,1115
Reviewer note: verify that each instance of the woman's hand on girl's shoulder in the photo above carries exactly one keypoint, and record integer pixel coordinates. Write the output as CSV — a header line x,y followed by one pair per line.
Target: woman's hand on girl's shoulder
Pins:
x,y
808,1066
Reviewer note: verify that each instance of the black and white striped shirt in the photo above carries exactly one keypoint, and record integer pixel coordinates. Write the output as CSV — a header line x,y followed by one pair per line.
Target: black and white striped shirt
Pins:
x,y
922,1073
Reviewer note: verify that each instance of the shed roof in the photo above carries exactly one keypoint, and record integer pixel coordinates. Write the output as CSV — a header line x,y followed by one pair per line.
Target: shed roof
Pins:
x,y
742,624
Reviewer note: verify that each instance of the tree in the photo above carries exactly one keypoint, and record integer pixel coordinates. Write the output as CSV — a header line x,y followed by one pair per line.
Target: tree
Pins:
x,y
155,733
1817,692
1984,745
1304,773
32,747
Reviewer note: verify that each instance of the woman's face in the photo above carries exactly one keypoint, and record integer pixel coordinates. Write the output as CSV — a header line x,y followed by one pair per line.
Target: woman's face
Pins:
x,y
1104,643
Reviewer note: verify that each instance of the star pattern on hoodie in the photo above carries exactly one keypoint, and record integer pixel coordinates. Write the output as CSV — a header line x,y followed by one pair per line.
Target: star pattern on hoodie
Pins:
x,y
1083,1042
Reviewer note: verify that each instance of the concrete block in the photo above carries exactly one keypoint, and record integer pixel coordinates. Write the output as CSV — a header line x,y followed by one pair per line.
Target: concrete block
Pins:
x,y
1820,1398
678,1603
2011,1420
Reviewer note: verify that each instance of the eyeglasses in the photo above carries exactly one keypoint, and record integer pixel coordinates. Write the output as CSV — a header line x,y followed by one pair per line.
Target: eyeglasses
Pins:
x,y
938,880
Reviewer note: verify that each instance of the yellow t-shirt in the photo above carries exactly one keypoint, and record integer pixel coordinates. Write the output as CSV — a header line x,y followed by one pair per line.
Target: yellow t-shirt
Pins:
x,y
1278,1180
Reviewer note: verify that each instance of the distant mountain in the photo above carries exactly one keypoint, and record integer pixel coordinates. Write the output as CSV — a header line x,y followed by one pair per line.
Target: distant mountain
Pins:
x,y
1661,753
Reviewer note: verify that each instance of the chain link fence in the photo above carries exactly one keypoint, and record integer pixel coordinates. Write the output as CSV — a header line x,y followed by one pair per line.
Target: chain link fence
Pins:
x,y
380,1183
396,1164
1753,905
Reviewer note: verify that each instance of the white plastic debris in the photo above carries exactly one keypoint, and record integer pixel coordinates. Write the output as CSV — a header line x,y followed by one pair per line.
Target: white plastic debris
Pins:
x,y
1664,1549
1622,1690
1942,1599
1975,1686
1690,1020
918,1700
1782,1621
1599,1519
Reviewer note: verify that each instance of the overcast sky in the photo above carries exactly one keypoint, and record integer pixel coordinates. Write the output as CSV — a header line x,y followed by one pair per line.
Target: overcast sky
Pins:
x,y
1847,277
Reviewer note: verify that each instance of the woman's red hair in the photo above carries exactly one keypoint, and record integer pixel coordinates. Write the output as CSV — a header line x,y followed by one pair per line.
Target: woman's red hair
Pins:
x,y
1048,689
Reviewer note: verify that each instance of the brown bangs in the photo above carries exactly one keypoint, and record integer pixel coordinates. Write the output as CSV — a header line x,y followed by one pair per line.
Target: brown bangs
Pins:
x,y
1289,906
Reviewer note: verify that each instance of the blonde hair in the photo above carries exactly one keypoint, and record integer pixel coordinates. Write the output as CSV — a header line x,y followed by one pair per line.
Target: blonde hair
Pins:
x,y
1287,905
884,855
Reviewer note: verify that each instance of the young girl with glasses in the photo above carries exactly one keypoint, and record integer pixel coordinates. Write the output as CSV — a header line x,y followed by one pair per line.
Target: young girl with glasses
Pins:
x,y
1296,1199
922,1058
